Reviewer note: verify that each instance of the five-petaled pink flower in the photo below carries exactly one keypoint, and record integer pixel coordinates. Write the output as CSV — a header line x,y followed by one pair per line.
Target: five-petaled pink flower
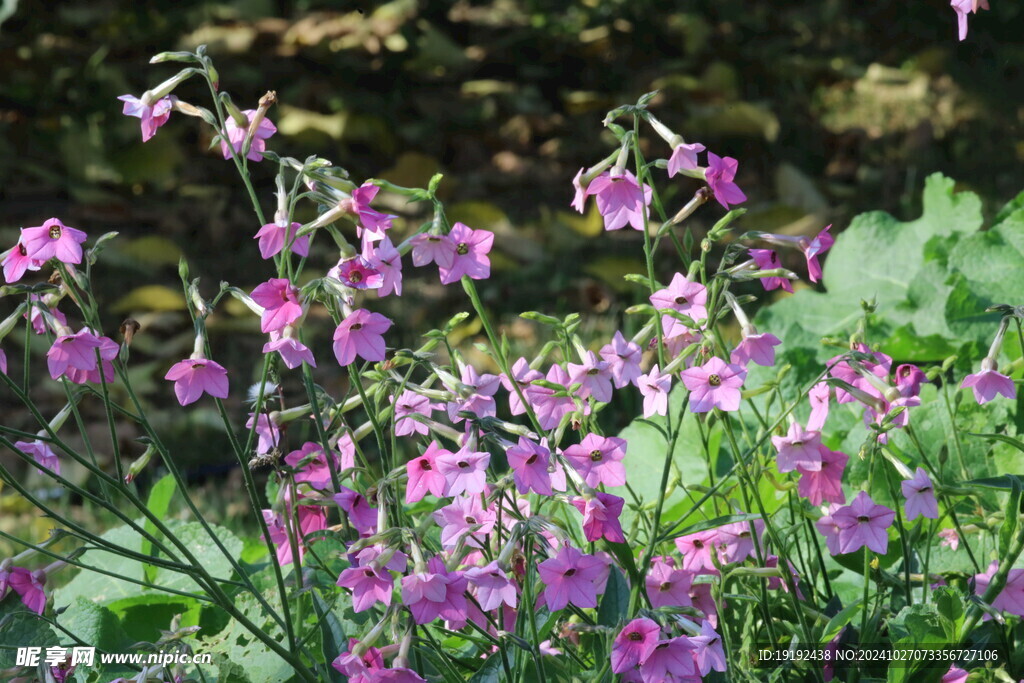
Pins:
x,y
493,587
601,513
464,471
273,236
529,462
987,384
716,384
435,593
655,387
682,296
719,175
709,652
826,482
623,359
520,374
670,660
598,459
634,643
684,157
668,586
151,115
799,448
29,587
962,9
620,200
293,352
73,352
863,523
469,254
193,377
408,404
280,301
594,377
424,477
1011,598
369,584
372,223
570,577
360,334
768,259
358,273
920,495
53,239
236,135
42,453
17,261
386,260
756,348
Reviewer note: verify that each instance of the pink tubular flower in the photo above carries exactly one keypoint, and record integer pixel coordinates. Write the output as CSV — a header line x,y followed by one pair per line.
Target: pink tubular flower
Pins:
x,y
464,471
620,200
469,257
682,296
736,542
73,352
863,523
767,259
799,448
920,495
280,302
493,587
529,462
357,508
696,550
372,223
828,528
634,643
819,398
668,586
360,334
17,261
369,585
53,239
670,660
236,135
719,176
623,358
601,516
424,476
435,593
954,675
316,471
521,374
708,651
29,587
386,260
359,669
193,377
151,116
358,273
594,377
42,453
756,348
480,399
825,483
311,518
716,384
273,236
1011,598
988,383
428,248
655,387
909,379
949,539
293,352
569,577
598,459
464,520
3,362
408,404
579,198
684,157
814,248
268,436
550,408
108,351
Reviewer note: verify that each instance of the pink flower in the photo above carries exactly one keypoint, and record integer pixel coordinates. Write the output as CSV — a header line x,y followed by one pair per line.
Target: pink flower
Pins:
x,y
669,660
358,273
312,518
684,157
529,462
268,436
280,302
950,539
863,523
424,476
152,116
464,519
569,577
236,135
470,249
475,396
3,362
736,542
841,369
920,495
435,593
428,248
818,397
493,587
598,459
827,526
988,383
550,408
273,236
623,358
73,351
708,652
408,404
53,239
42,453
719,176
40,322
668,586
757,348
825,483
360,513
373,222
601,516
696,550
193,377
580,193
464,471
682,296
594,377
962,9
799,448
655,387
386,260
620,200
716,384
360,334
634,643
108,351
821,243
1011,598
955,673
17,261
29,587
312,466
359,669
293,352
369,585
767,259
521,374
909,379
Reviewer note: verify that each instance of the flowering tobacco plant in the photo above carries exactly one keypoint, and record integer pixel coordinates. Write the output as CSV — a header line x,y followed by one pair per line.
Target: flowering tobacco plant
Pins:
x,y
444,520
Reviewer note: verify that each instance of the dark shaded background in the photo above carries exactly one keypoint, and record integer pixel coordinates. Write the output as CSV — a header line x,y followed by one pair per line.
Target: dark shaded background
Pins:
x,y
833,107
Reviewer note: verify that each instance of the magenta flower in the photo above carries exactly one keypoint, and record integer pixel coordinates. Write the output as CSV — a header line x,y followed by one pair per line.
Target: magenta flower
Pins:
x,y
601,513
372,223
387,261
475,396
280,302
620,200
193,377
42,453
668,586
821,243
17,261
799,448
696,550
684,157
962,9
716,384
433,594
670,660
623,358
359,669
719,175
818,397
825,483
41,322
236,135
358,273
682,296
3,362
53,239
493,587
273,236
151,115
863,523
411,403
360,334
634,643
464,518
521,374
655,387
550,408
360,513
1011,598
909,379
29,587
293,352
464,471
708,650
988,383
954,675
594,377
108,350
920,495
829,528
736,542
369,585
767,259
312,518
570,577
529,462
756,348
316,471
470,249
598,459
73,351
424,476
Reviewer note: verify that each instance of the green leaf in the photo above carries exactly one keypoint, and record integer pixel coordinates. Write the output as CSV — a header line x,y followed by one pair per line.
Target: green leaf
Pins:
x,y
159,502
1008,529
490,672
334,641
614,606
21,628
841,619
715,523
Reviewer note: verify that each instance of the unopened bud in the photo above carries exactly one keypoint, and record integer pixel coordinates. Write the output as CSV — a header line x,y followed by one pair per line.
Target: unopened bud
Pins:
x,y
140,464
128,329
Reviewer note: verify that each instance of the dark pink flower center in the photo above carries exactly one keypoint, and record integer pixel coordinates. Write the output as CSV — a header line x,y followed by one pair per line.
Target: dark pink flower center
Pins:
x,y
569,572
462,249
356,327
593,371
198,366
714,380
425,466
368,572
355,276
863,518
665,586
596,455
532,459
22,250
463,465
681,300
636,636
470,519
698,544
55,232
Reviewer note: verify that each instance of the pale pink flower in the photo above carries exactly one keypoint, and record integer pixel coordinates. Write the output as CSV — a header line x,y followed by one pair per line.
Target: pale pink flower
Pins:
x,y
408,404
920,495
601,513
570,577
655,387
357,508
493,587
696,550
668,586
73,351
17,261
521,374
799,448
598,459
623,358
42,453
361,334
151,116
464,471
863,523
369,585
814,248
428,248
469,257
1011,598
293,352
962,9
987,384
372,223
954,675
529,463
550,408
53,239
685,297
670,660
708,651
480,399
716,384
594,377
314,468
684,157
29,587
818,397
949,539
273,236
268,436
424,476
464,520
756,348
435,593
579,198
386,260
236,136
620,200
768,259
825,483
193,377
280,301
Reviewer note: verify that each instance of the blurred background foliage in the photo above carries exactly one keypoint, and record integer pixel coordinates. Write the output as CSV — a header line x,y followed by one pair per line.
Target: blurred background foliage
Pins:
x,y
833,107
